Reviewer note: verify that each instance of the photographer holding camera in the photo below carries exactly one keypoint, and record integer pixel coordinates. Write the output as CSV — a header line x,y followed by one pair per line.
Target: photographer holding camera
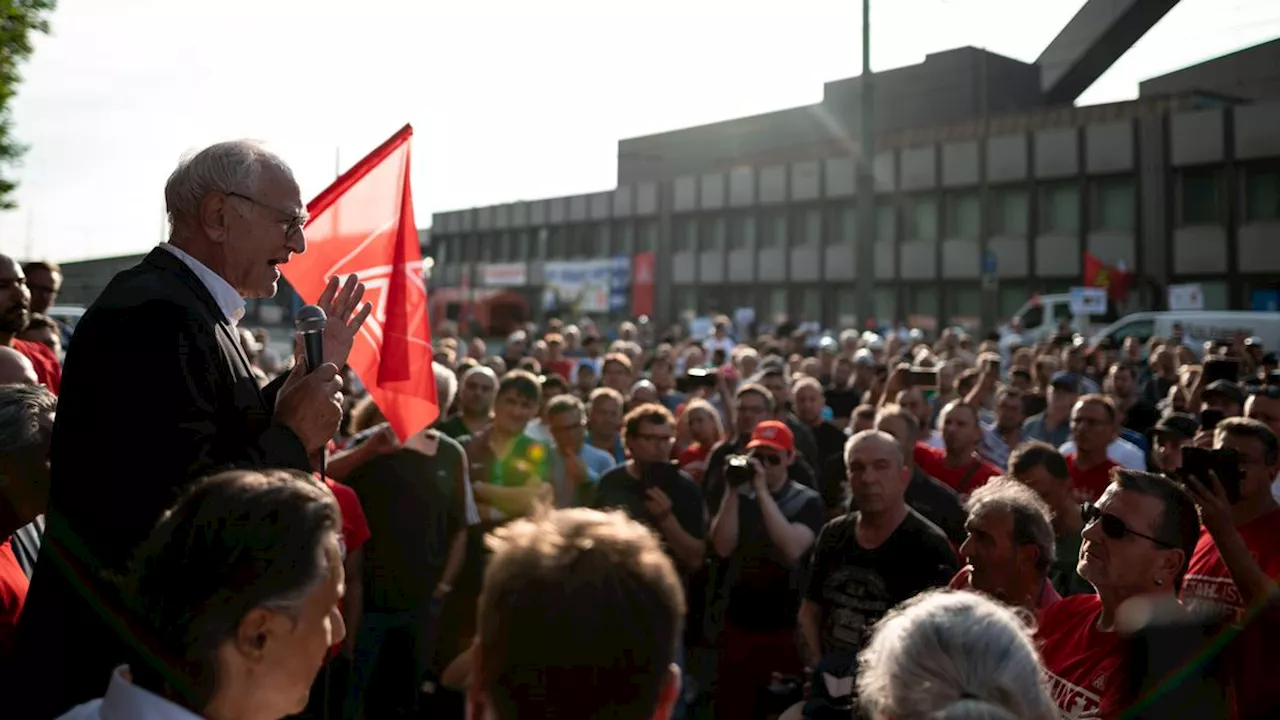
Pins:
x,y
763,531
1237,560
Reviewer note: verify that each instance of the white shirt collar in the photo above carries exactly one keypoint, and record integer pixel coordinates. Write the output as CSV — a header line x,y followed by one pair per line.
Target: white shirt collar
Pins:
x,y
126,701
228,300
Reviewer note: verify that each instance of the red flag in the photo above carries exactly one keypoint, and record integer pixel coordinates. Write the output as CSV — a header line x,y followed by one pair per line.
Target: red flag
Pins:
x,y
1116,280
642,284
363,224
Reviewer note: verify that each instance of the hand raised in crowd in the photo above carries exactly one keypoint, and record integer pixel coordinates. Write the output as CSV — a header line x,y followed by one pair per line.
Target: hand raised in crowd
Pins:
x,y
658,504
1214,506
343,320
383,441
310,403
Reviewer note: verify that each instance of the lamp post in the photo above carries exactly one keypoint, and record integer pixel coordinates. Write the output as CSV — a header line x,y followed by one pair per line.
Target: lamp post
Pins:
x,y
865,254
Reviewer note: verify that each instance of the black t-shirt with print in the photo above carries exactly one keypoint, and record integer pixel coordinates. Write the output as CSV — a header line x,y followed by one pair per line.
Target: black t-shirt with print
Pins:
x,y
856,587
764,591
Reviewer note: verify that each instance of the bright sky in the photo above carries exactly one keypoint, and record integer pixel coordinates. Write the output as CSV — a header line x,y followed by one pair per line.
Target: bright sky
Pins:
x,y
510,99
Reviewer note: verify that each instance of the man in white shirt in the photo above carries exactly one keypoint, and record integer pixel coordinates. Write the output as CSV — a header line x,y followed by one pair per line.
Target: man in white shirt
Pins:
x,y
1120,451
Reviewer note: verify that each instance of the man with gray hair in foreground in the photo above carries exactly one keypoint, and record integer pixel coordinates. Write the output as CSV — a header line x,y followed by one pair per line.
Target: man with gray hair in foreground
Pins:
x,y
580,617
156,392
952,655
1009,548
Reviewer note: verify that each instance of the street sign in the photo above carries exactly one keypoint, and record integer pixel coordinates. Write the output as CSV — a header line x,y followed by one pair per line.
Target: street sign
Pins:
x,y
989,263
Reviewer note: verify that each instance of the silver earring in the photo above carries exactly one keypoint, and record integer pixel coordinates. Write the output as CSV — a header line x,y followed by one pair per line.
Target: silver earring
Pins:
x,y
1159,582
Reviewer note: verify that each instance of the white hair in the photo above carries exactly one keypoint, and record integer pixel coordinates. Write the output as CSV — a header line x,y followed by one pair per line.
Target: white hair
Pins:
x,y
21,408
446,386
232,166
947,655
1030,515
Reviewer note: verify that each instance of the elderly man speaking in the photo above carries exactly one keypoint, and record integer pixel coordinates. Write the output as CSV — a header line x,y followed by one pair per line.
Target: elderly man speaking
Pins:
x,y
156,393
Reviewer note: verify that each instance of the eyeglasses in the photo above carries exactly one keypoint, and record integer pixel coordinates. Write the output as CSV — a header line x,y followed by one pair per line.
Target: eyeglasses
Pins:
x,y
655,438
1112,526
294,224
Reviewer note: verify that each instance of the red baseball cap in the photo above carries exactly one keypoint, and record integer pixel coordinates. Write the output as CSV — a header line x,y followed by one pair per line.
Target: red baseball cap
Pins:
x,y
774,435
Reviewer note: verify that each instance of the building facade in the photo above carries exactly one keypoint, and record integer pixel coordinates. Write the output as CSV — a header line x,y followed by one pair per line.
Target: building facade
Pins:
x,y
972,220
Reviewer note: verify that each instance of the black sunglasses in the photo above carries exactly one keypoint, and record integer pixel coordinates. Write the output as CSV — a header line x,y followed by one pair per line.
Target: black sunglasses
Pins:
x,y
1112,526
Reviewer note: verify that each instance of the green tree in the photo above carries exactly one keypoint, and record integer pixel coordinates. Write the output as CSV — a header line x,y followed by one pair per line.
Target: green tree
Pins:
x,y
19,20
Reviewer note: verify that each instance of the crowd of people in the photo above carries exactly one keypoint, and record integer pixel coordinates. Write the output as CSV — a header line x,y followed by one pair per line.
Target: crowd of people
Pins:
x,y
614,522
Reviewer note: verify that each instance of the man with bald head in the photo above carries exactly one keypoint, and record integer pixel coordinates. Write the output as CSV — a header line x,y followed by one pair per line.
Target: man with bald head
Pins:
x,y
16,368
15,311
139,420
873,558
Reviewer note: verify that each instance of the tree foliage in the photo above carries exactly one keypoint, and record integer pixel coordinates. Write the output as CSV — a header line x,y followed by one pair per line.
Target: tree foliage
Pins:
x,y
19,21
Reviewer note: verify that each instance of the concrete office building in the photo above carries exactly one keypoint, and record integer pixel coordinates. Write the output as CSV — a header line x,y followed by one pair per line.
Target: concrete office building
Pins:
x,y
990,187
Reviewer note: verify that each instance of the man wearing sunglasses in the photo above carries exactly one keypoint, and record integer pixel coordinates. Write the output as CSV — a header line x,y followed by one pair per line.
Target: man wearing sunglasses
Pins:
x,y
763,531
1137,541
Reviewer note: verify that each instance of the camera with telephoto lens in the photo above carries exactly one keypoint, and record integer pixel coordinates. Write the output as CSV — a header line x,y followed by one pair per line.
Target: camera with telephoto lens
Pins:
x,y
738,470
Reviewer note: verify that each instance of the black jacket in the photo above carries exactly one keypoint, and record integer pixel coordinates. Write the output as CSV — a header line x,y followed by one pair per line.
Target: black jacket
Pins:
x,y
157,392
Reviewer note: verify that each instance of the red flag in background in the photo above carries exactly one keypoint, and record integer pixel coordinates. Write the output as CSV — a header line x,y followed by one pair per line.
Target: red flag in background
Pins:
x,y
363,224
642,284
1115,279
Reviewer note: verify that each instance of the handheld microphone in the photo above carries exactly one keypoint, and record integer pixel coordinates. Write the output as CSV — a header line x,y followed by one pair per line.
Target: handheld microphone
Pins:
x,y
309,323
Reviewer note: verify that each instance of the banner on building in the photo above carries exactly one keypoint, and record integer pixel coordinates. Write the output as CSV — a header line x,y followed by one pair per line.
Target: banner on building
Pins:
x,y
1088,301
1186,296
504,275
587,286
642,285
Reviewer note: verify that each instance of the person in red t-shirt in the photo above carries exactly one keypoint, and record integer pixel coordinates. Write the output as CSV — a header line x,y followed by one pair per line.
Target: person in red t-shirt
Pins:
x,y
703,424
959,466
557,363
1237,562
15,308
1094,425
24,492
48,369
1136,543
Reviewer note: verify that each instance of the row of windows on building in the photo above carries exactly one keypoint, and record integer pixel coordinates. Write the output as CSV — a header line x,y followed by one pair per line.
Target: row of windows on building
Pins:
x,y
1200,199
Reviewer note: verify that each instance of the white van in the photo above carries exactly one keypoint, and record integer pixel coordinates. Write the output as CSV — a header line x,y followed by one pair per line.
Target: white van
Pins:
x,y
1198,326
69,315
1040,316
